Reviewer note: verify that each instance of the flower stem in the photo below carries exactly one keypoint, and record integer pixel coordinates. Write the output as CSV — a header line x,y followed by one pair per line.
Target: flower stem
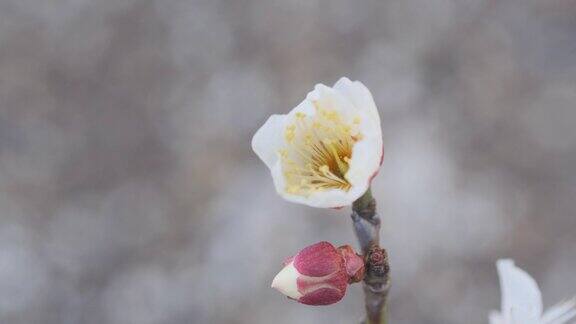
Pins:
x,y
377,279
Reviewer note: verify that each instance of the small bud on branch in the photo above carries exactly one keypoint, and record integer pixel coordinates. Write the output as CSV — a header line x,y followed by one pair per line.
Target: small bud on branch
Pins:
x,y
319,274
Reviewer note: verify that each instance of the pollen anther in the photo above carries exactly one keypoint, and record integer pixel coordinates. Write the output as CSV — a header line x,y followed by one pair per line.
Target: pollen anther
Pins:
x,y
318,151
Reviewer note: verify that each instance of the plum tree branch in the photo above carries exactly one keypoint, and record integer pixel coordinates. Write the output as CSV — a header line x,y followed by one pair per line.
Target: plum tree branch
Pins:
x,y
377,280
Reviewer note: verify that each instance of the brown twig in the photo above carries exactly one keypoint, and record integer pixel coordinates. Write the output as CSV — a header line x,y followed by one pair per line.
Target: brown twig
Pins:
x,y
377,279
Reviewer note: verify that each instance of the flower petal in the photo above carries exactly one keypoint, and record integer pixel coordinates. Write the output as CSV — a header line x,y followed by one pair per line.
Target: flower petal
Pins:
x,y
318,260
359,95
268,140
521,297
560,313
495,318
366,158
368,152
328,97
334,198
322,296
286,281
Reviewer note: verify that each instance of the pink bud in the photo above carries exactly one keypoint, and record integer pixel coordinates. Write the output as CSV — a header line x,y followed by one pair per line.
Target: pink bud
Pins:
x,y
354,263
319,274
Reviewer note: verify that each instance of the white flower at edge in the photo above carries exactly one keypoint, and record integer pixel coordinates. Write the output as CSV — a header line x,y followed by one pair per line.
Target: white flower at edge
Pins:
x,y
324,152
522,301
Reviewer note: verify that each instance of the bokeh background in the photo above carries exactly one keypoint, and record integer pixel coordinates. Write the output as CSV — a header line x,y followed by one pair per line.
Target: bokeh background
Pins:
x,y
129,192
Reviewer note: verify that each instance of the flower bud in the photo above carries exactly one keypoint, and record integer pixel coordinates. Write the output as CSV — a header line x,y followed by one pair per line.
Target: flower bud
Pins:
x,y
354,263
319,274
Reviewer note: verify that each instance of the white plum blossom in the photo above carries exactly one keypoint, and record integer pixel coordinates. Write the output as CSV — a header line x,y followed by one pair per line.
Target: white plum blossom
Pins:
x,y
325,152
521,300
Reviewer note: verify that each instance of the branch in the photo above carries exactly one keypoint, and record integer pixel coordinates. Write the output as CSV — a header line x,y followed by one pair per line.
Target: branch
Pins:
x,y
377,279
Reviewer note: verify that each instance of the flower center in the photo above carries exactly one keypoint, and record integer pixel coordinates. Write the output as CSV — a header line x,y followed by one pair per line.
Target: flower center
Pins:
x,y
318,152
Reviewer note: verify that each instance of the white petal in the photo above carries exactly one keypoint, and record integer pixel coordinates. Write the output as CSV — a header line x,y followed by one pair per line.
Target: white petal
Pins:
x,y
353,99
521,298
560,313
305,107
286,281
496,318
359,95
329,97
366,154
268,139
334,198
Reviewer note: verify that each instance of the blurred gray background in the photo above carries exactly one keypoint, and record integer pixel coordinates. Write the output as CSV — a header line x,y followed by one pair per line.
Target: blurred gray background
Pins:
x,y
129,192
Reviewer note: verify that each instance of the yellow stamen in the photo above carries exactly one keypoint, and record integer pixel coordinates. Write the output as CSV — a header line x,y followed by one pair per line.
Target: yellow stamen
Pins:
x,y
318,152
